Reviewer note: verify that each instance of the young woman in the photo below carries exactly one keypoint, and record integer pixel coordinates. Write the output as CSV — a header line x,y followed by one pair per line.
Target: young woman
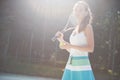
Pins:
x,y
78,66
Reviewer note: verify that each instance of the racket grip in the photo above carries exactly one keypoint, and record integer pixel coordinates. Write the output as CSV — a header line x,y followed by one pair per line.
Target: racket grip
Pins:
x,y
54,38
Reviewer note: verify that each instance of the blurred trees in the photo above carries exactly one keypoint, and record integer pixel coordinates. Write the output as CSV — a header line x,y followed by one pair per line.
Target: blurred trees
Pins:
x,y
25,36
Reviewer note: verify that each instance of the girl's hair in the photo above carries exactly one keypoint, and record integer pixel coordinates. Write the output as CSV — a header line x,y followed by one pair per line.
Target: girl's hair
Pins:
x,y
87,20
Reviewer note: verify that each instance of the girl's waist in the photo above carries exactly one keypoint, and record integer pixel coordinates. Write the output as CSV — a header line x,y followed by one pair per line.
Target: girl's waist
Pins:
x,y
79,60
79,57
75,52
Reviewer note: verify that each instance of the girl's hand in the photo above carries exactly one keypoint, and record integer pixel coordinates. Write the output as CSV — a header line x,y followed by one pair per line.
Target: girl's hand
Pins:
x,y
59,36
65,45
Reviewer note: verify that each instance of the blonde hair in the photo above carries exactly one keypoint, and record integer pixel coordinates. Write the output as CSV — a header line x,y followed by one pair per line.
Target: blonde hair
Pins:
x,y
87,20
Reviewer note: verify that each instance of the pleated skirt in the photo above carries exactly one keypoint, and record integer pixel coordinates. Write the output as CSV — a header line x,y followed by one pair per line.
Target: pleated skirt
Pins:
x,y
78,68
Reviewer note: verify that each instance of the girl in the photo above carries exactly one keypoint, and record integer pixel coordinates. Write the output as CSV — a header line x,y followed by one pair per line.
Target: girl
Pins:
x,y
81,43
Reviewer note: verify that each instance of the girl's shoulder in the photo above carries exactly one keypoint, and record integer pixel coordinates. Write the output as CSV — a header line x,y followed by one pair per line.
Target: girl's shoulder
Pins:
x,y
89,27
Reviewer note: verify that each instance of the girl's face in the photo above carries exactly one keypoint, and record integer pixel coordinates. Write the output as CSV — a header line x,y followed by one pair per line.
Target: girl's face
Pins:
x,y
79,12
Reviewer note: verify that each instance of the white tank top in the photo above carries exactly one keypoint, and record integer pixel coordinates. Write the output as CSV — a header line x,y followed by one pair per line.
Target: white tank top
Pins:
x,y
79,40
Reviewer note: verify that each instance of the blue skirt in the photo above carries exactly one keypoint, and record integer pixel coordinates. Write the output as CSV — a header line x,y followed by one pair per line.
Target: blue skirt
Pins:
x,y
78,68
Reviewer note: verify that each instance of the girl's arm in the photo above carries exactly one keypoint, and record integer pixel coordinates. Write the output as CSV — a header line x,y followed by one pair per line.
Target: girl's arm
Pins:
x,y
90,39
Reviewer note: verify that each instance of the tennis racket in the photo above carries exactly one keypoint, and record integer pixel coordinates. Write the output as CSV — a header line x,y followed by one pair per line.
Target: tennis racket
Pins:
x,y
71,23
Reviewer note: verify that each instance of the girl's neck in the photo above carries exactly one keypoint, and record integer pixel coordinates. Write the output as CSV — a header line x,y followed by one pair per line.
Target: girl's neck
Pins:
x,y
77,29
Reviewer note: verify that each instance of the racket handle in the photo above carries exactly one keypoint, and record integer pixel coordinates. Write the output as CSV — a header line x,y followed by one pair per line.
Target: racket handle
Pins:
x,y
63,31
54,38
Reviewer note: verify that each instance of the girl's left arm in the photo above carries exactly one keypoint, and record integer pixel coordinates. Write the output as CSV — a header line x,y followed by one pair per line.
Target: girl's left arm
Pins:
x,y
90,39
